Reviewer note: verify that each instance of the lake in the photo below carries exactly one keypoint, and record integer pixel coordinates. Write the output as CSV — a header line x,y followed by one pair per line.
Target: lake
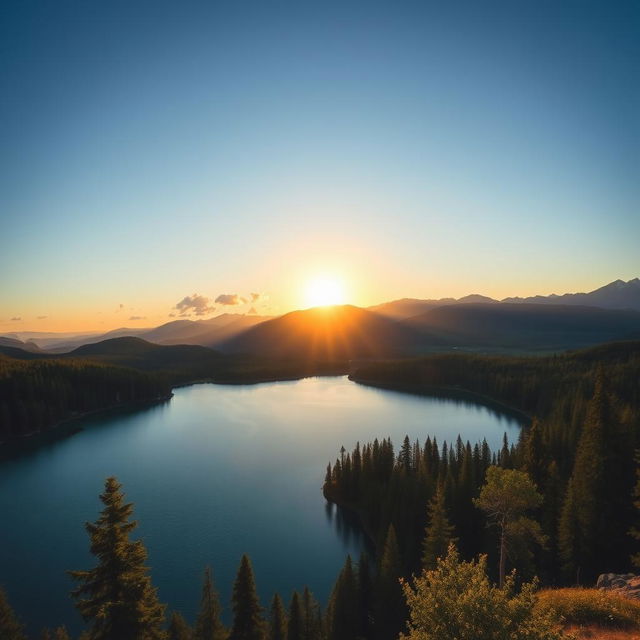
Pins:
x,y
215,472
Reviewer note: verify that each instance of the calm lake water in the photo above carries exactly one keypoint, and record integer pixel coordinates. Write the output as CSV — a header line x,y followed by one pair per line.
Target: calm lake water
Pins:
x,y
215,472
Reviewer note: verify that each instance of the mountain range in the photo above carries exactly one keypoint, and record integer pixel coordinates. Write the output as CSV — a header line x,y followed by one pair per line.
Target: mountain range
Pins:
x,y
399,328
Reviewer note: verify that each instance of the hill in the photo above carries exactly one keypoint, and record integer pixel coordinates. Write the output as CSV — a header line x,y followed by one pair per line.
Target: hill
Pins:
x,y
526,326
328,334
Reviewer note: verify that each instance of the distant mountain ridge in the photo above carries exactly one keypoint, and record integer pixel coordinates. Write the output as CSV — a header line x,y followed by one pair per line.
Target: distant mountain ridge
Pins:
x,y
615,295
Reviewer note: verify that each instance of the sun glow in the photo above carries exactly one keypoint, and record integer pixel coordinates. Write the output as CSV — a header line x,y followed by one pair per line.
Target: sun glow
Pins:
x,y
324,291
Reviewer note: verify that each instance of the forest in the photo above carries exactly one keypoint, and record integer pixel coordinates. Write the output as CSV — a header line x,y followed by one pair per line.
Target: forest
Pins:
x,y
559,506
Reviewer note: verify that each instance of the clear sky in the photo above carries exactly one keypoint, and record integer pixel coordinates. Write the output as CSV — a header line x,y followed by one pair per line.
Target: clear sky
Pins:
x,y
153,150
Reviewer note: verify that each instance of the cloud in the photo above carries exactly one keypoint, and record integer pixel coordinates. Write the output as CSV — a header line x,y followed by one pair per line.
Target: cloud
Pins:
x,y
230,299
137,317
42,317
196,303
172,315
255,297
16,319
252,312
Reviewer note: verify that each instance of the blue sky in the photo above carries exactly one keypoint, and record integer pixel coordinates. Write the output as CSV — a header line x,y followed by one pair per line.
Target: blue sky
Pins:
x,y
152,150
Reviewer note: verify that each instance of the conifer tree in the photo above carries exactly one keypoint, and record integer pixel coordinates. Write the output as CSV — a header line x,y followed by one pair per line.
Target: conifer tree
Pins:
x,y
582,529
178,628
439,532
10,627
277,620
311,616
342,615
390,610
116,597
295,625
247,612
365,585
61,634
208,624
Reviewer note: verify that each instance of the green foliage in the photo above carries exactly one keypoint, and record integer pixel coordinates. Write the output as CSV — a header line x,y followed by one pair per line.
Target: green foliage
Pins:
x,y
390,611
10,627
277,620
506,496
343,620
296,619
116,597
36,394
178,628
439,532
247,612
208,624
456,601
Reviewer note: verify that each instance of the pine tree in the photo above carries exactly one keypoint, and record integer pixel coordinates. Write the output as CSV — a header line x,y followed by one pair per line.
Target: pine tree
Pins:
x,y
311,616
277,620
343,615
582,530
117,597
439,532
208,624
247,612
390,610
295,625
365,584
10,626
178,628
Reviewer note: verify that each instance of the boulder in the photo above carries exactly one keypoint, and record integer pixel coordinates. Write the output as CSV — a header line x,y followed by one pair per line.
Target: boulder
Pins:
x,y
623,584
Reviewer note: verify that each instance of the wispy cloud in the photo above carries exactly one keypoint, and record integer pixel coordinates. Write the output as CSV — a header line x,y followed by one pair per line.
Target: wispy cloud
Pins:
x,y
16,319
255,297
137,317
252,312
42,317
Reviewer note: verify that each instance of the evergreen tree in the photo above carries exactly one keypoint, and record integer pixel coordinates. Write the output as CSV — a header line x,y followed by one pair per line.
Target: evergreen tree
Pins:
x,y
208,624
439,532
10,627
117,597
247,613
365,584
178,628
390,610
277,620
582,533
311,616
343,615
296,623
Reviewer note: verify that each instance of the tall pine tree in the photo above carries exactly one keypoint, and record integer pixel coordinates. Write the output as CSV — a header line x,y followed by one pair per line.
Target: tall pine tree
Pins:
x,y
208,624
116,597
296,619
247,612
390,610
277,620
439,532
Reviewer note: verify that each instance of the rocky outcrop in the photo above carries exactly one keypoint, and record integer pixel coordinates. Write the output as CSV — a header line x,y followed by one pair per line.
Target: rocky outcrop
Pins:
x,y
624,584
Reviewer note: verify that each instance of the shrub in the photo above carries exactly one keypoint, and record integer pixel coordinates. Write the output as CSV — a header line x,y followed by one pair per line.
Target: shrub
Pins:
x,y
456,601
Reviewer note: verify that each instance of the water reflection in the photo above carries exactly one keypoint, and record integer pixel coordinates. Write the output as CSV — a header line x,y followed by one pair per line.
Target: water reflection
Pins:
x,y
347,526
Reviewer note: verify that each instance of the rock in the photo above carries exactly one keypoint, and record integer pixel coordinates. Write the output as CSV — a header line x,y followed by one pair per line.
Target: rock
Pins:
x,y
623,584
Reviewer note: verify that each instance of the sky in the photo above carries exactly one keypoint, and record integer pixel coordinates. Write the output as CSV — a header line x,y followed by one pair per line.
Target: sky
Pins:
x,y
158,155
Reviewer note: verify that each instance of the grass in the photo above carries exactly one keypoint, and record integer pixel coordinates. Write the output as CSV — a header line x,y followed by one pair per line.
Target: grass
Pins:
x,y
589,613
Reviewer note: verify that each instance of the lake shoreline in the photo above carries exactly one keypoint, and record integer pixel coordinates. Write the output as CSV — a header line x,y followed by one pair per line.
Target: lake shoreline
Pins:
x,y
452,393
54,430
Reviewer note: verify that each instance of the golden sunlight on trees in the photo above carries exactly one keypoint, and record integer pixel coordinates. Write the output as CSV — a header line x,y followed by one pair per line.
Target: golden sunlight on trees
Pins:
x,y
456,601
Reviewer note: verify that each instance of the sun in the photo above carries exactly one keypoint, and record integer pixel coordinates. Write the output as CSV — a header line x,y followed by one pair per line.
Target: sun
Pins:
x,y
323,291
